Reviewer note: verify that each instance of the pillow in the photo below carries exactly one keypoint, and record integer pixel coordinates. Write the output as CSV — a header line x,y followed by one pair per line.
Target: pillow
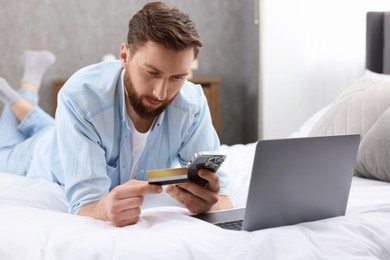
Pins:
x,y
361,109
38,193
378,76
238,166
356,109
373,160
306,127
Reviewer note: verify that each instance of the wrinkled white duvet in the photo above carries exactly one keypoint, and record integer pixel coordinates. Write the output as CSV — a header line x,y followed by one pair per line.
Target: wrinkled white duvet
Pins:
x,y
34,225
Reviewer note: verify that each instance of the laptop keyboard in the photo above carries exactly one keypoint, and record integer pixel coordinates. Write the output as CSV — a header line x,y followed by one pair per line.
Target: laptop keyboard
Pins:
x,y
232,225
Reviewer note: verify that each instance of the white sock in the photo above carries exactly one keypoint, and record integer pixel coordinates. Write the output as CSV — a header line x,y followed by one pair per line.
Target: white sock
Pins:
x,y
7,94
35,65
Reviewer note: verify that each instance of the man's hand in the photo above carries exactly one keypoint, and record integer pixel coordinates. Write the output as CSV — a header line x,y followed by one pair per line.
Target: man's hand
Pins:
x,y
198,199
121,206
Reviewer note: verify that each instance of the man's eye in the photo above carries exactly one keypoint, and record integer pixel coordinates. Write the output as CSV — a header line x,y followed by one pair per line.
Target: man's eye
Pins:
x,y
151,72
178,77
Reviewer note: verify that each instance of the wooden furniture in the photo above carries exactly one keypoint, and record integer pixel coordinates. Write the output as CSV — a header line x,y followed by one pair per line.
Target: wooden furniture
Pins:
x,y
57,85
211,88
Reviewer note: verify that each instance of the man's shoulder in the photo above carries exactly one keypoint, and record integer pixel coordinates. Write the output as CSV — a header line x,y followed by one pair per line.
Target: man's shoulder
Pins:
x,y
93,87
99,76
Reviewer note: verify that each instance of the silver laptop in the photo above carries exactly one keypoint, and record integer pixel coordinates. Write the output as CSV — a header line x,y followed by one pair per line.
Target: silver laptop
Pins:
x,y
295,180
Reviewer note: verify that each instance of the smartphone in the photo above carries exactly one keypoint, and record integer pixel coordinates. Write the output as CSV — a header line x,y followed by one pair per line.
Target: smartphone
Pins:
x,y
208,160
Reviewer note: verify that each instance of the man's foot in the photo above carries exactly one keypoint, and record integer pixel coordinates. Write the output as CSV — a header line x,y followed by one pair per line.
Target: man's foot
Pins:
x,y
35,64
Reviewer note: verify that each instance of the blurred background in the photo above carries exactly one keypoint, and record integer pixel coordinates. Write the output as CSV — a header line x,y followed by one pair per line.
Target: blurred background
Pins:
x,y
279,61
80,33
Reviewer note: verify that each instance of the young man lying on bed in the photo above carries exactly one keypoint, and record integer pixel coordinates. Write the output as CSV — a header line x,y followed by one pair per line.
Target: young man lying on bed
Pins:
x,y
115,121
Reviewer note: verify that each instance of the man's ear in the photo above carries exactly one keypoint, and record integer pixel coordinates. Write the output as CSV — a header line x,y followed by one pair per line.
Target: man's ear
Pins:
x,y
124,55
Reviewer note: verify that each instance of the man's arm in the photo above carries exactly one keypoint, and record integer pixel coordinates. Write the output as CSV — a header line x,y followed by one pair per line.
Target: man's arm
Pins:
x,y
121,206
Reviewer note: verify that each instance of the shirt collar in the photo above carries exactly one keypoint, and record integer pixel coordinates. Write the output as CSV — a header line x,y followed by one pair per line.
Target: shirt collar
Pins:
x,y
121,96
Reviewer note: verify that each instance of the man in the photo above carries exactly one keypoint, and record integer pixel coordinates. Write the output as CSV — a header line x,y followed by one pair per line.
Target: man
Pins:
x,y
117,120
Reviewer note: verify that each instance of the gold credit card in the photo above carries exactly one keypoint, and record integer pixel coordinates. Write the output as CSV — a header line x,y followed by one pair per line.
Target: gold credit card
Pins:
x,y
168,176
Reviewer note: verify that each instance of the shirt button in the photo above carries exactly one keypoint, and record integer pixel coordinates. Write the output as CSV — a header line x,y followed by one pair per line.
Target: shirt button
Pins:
x,y
142,170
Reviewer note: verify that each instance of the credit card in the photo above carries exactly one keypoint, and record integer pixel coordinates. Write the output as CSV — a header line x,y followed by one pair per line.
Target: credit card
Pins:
x,y
168,176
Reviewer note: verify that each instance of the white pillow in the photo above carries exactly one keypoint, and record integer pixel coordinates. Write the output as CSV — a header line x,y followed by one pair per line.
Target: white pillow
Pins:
x,y
377,76
23,191
238,165
373,160
361,109
356,109
307,126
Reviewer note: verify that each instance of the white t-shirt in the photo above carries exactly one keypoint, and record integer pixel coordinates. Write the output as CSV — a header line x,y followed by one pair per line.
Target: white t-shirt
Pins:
x,y
138,144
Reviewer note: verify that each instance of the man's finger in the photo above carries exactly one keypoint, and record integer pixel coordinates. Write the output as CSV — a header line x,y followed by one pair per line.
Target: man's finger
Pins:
x,y
135,188
211,177
126,204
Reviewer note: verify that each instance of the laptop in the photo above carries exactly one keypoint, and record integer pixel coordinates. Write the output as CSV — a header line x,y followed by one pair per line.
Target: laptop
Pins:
x,y
295,180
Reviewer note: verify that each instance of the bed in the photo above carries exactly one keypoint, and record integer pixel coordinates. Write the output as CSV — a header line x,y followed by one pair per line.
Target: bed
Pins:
x,y
34,223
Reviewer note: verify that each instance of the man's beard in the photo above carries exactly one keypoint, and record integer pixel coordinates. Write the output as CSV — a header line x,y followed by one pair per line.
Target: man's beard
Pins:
x,y
136,101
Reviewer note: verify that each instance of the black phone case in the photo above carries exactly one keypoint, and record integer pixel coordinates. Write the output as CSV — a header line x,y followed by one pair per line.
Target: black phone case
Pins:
x,y
211,162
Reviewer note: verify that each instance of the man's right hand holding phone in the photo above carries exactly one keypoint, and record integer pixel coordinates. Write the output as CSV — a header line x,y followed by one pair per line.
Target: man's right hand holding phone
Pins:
x,y
195,197
198,199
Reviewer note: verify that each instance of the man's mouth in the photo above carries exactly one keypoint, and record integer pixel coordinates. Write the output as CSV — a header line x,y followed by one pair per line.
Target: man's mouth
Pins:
x,y
153,102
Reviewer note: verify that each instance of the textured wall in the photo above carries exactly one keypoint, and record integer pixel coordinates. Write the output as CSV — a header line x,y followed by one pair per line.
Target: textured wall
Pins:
x,y
79,33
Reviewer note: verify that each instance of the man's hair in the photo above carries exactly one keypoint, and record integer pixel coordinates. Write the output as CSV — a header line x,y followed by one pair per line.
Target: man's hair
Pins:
x,y
167,26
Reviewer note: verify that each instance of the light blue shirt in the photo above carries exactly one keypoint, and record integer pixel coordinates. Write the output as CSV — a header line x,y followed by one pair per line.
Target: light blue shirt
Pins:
x,y
89,149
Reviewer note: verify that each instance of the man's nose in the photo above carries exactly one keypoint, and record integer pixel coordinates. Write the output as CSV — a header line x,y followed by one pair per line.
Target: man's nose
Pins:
x,y
160,90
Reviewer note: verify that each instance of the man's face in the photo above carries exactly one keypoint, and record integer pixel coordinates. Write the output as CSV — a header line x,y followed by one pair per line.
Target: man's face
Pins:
x,y
153,77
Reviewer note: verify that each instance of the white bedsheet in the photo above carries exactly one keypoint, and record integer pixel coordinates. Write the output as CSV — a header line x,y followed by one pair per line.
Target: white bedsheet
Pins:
x,y
34,225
